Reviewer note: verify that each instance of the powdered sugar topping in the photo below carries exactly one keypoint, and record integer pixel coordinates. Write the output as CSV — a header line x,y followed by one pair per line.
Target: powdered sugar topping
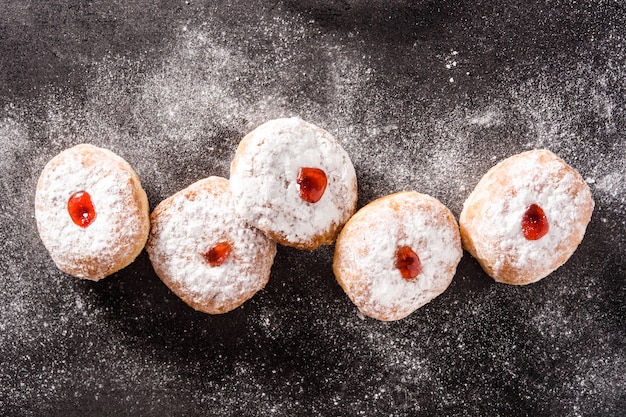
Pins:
x,y
536,178
193,220
263,180
90,252
403,219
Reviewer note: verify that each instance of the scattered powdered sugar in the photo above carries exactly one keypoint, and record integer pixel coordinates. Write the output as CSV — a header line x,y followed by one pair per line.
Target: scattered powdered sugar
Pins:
x,y
13,136
177,110
263,180
186,225
96,250
612,186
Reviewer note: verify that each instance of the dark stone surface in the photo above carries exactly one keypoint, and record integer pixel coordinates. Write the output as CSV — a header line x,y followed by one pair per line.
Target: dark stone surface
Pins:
x,y
423,95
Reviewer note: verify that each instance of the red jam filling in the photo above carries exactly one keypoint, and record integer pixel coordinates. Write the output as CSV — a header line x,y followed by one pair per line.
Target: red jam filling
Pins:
x,y
217,254
81,209
534,223
408,263
312,182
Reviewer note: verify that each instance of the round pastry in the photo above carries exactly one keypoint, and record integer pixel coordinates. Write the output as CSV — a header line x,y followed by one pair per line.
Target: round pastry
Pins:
x,y
204,252
526,217
396,254
91,212
295,182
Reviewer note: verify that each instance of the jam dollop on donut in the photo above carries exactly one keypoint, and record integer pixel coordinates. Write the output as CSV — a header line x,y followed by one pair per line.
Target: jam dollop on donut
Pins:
x,y
92,213
295,182
534,223
408,263
396,254
526,217
217,255
204,252
312,183
81,209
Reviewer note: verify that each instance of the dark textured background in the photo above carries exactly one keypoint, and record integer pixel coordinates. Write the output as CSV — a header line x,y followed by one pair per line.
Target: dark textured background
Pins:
x,y
423,95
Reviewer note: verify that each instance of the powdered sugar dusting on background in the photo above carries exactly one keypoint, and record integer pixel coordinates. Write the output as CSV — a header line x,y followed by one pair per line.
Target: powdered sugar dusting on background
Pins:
x,y
300,344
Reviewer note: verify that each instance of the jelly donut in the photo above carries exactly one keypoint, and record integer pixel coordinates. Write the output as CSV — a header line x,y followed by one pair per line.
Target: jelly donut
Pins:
x,y
91,211
396,254
295,182
204,252
526,217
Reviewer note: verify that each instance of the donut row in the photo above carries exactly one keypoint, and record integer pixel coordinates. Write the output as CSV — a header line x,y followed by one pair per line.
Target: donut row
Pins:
x,y
291,183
